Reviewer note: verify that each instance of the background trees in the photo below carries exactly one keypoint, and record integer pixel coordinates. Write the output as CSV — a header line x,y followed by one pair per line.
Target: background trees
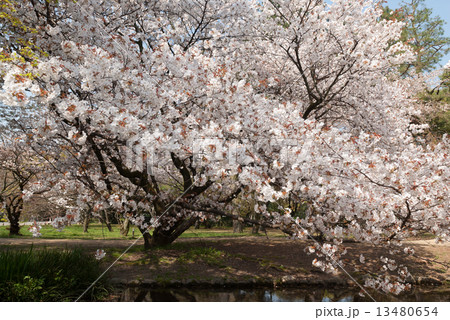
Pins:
x,y
18,169
423,32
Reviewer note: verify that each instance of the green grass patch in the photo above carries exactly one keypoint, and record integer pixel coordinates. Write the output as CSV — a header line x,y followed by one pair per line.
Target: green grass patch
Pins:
x,y
49,275
270,264
209,256
95,231
98,231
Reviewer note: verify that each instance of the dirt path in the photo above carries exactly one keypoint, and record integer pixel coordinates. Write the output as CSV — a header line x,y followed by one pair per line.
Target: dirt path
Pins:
x,y
246,260
89,244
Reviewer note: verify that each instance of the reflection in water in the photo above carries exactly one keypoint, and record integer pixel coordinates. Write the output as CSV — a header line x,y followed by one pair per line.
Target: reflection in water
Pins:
x,y
269,295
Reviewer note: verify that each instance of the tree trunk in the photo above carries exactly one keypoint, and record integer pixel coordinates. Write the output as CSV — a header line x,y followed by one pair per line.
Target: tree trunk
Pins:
x,y
13,212
14,227
237,227
86,222
255,227
125,227
163,237
107,222
147,239
208,224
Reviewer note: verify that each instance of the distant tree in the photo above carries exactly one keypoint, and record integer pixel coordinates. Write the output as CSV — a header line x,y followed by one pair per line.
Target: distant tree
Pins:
x,y
445,78
16,173
424,32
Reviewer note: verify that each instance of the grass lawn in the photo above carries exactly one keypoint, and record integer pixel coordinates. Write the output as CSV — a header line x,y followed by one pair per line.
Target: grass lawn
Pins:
x,y
97,231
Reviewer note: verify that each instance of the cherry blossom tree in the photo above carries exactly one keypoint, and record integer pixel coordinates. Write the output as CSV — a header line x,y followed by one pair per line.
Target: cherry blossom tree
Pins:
x,y
166,111
18,169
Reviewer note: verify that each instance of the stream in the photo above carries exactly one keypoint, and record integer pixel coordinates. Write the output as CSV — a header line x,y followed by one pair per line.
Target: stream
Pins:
x,y
276,295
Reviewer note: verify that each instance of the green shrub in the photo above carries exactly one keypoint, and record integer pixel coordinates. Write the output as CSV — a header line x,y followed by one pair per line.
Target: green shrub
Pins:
x,y
28,290
48,275
440,123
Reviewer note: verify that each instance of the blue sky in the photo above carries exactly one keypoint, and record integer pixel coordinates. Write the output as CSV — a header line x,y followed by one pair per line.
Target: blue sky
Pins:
x,y
440,8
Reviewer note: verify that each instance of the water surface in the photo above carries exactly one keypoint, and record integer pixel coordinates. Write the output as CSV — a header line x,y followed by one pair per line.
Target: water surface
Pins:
x,y
274,295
